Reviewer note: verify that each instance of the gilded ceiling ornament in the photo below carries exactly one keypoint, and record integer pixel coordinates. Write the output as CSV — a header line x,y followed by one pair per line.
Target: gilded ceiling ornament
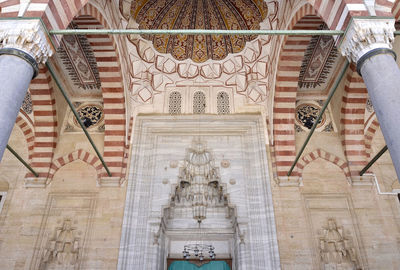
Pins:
x,y
193,14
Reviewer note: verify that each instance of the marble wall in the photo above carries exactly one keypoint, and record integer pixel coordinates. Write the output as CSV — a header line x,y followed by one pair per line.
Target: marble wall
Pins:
x,y
162,140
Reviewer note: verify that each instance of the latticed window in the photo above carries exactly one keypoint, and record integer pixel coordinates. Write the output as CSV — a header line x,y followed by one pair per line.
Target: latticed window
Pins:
x,y
223,103
175,101
199,102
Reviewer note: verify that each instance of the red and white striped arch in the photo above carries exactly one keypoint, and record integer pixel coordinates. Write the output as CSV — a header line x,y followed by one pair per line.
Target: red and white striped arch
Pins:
x,y
319,153
369,132
354,101
291,57
107,58
23,122
45,123
76,155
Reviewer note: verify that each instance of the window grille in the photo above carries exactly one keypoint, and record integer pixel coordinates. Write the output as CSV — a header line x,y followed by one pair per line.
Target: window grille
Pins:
x,y
199,102
223,103
175,101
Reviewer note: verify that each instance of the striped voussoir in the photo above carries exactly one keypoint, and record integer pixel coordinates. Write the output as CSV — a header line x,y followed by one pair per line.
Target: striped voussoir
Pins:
x,y
352,120
396,10
337,14
369,132
27,129
319,153
291,57
45,123
107,58
80,154
56,14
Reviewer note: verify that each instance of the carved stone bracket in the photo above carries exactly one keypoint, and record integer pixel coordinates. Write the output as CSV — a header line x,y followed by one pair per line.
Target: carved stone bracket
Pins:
x,y
28,36
364,35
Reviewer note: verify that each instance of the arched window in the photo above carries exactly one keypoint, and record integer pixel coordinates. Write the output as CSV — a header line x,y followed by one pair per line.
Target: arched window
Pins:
x,y
199,102
175,101
223,103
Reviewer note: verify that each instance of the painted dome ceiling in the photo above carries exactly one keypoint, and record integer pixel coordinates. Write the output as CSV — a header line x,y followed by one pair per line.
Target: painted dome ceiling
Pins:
x,y
198,14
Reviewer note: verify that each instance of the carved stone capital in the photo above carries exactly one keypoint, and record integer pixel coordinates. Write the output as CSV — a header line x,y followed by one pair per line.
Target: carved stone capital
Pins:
x,y
28,36
364,35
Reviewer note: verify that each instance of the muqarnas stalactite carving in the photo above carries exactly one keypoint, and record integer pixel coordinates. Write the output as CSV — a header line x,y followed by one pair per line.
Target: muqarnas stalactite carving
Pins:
x,y
62,250
337,251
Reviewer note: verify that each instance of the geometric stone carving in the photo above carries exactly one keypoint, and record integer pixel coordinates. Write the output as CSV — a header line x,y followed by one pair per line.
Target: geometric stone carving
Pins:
x,y
233,64
187,70
337,252
63,249
239,80
211,71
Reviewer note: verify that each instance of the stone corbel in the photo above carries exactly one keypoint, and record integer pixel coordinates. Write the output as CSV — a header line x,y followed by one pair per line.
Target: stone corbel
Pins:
x,y
21,37
366,34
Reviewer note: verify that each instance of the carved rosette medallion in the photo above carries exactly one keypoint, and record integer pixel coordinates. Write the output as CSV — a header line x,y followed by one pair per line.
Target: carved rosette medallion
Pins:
x,y
307,113
91,115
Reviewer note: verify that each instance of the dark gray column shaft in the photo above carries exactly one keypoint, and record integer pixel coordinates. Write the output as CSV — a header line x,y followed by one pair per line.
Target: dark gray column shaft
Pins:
x,y
382,78
15,77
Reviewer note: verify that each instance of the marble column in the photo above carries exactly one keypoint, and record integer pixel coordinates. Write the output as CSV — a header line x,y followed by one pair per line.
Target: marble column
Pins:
x,y
23,45
367,42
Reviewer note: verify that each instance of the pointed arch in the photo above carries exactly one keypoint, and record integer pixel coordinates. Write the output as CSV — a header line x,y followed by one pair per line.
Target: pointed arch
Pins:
x,y
287,76
27,129
80,154
108,64
369,135
45,123
354,101
319,153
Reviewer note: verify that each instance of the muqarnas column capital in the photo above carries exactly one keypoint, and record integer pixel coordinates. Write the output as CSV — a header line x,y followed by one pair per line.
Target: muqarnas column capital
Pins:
x,y
366,34
28,36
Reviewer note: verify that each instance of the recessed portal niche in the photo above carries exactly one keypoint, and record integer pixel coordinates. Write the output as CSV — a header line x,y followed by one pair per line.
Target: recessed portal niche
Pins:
x,y
241,226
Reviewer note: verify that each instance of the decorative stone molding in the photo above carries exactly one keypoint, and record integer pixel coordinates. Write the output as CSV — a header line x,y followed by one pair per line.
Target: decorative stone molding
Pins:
x,y
289,181
364,35
35,182
111,181
365,180
28,36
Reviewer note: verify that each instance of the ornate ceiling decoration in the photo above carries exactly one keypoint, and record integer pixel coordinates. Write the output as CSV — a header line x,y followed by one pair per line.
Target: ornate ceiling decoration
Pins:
x,y
79,61
248,71
197,14
319,59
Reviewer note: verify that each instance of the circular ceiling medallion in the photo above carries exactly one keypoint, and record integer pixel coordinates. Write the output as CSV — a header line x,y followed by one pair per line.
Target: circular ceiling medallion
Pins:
x,y
307,113
199,14
90,114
